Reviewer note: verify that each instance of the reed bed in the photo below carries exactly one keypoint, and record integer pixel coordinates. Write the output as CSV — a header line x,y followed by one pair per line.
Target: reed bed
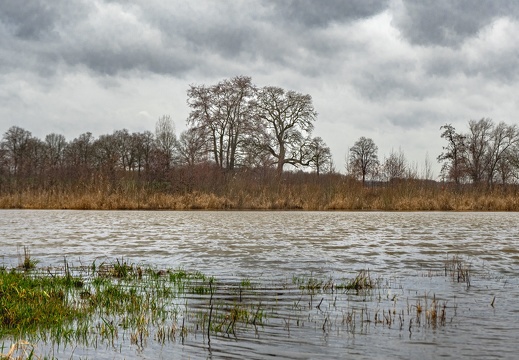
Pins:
x,y
289,195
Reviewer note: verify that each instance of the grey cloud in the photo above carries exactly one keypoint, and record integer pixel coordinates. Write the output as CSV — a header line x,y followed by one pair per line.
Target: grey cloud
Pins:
x,y
412,119
390,80
43,36
502,68
191,35
311,13
38,19
447,22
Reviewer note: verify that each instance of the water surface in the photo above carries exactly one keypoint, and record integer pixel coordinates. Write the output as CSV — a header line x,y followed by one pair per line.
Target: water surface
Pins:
x,y
407,250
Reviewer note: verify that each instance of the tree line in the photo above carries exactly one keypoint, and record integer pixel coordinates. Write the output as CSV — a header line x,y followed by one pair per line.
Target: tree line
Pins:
x,y
236,127
485,155
233,126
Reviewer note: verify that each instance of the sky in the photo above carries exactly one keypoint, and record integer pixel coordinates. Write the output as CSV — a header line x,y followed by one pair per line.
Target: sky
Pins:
x,y
393,71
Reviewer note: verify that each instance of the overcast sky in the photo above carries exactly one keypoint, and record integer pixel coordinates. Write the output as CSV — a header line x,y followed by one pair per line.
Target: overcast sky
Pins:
x,y
394,71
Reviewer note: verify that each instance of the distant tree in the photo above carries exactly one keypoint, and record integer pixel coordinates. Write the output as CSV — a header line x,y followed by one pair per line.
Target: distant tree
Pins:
x,y
395,166
37,160
287,121
79,152
143,144
507,167
15,142
427,172
125,148
192,146
55,145
106,157
453,155
321,156
511,164
363,158
166,139
476,155
503,138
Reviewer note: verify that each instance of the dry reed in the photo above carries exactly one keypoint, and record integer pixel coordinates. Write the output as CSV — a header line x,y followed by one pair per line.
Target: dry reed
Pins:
x,y
239,194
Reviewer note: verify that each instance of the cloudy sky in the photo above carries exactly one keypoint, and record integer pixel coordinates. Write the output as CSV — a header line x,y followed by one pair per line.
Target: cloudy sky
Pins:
x,y
393,70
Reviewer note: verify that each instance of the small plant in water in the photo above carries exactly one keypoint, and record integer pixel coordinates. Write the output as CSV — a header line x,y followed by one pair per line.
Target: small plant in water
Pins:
x,y
27,262
458,269
362,281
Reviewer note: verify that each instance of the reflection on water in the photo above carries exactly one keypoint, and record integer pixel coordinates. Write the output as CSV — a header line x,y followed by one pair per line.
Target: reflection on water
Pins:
x,y
405,249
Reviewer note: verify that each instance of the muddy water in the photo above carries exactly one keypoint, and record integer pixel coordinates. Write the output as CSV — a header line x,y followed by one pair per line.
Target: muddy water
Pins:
x,y
407,250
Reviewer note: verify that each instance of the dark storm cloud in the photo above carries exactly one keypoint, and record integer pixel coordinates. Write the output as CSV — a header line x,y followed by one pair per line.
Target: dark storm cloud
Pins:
x,y
449,23
28,20
190,35
322,13
43,37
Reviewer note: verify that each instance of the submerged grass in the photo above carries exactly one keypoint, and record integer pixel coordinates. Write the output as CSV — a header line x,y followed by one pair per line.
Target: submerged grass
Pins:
x,y
29,303
116,302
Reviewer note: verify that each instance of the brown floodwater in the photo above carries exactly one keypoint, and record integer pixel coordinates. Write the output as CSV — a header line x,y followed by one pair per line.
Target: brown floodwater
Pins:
x,y
406,251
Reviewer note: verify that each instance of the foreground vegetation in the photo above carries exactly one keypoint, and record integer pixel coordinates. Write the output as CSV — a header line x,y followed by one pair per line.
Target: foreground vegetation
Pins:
x,y
45,311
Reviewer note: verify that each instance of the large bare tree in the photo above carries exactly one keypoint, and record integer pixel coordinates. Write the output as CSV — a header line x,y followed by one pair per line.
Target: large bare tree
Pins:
x,y
224,110
287,121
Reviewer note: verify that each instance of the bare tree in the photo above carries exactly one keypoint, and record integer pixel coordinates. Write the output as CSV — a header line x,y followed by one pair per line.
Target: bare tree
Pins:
x,y
427,173
126,149
395,166
502,139
453,155
143,144
363,158
224,110
55,144
15,142
192,146
79,151
287,118
165,138
476,154
321,156
106,156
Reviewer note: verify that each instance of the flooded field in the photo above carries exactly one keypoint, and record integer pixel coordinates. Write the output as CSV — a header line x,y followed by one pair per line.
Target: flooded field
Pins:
x,y
307,284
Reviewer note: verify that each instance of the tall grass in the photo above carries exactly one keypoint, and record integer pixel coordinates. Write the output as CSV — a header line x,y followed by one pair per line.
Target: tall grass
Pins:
x,y
292,192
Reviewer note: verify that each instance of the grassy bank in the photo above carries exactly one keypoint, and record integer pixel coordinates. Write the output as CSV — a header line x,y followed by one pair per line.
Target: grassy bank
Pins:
x,y
337,195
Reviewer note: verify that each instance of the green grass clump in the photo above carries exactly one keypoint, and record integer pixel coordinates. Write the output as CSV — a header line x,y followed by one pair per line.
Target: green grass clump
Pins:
x,y
29,303
362,281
